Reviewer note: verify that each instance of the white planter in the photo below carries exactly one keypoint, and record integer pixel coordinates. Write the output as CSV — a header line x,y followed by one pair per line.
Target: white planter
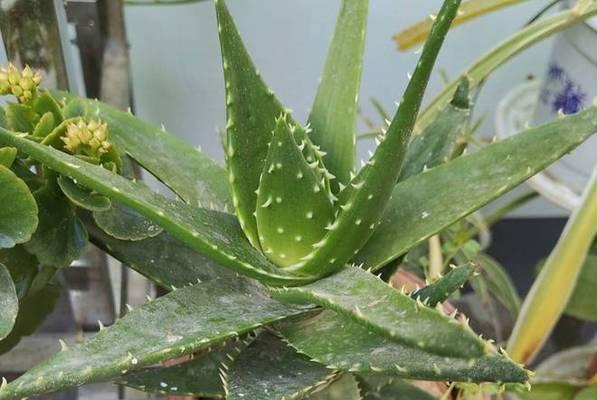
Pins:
x,y
569,85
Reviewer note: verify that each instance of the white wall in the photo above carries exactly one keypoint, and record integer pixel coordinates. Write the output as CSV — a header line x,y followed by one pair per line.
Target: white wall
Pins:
x,y
177,74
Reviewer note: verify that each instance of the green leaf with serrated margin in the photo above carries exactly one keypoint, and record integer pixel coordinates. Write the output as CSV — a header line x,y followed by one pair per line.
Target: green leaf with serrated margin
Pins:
x,y
33,310
499,283
431,201
270,369
440,290
18,215
293,206
124,223
60,237
182,322
45,125
45,103
340,343
22,267
363,201
163,259
366,299
377,387
212,233
439,141
184,169
7,156
199,377
345,388
20,117
82,197
333,115
9,303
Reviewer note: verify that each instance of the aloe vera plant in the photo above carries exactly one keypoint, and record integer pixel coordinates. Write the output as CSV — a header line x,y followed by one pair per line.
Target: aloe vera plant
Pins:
x,y
275,265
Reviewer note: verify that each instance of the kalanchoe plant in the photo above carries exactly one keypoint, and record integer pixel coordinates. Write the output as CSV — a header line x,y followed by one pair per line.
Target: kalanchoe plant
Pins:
x,y
318,237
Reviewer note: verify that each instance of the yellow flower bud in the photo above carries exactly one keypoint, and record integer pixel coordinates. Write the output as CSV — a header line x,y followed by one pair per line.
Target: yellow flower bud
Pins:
x,y
23,85
87,138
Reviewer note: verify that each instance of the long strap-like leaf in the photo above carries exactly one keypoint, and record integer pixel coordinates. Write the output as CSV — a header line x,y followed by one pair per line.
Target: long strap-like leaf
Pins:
x,y
214,234
363,201
334,111
432,201
185,321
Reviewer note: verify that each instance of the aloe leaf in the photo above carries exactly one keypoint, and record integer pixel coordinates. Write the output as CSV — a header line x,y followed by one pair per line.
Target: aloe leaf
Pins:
x,y
440,290
7,156
542,309
293,206
470,9
439,141
83,198
368,300
60,237
124,223
199,377
33,310
362,203
22,267
339,343
489,62
345,388
182,322
338,90
163,259
434,200
499,283
270,369
19,220
374,388
212,233
9,303
582,304
183,168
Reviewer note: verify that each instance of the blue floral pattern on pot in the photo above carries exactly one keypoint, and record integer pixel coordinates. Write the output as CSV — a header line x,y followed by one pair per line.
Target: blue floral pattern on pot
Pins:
x,y
562,93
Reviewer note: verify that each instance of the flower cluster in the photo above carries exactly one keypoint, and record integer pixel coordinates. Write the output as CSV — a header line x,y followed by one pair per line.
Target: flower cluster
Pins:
x,y
87,138
22,84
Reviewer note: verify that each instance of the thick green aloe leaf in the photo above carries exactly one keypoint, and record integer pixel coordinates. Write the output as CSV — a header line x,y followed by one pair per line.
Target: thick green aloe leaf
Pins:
x,y
184,321
199,377
339,343
440,290
270,369
33,310
7,156
378,386
9,303
431,201
338,91
499,283
18,216
293,206
582,304
251,111
22,267
439,141
163,259
366,299
183,168
363,201
124,223
83,198
60,237
212,233
345,388
20,118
